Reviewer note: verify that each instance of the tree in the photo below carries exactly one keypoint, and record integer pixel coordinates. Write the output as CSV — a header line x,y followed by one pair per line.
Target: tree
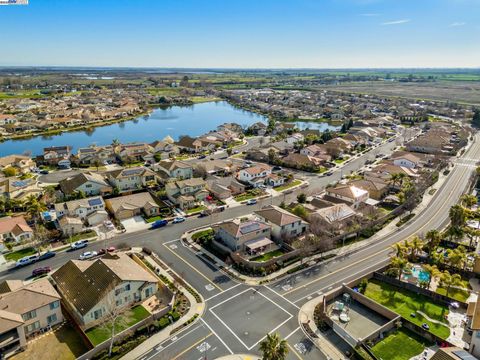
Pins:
x,y
115,142
457,257
468,200
272,155
274,348
34,208
229,151
416,245
9,172
302,198
433,271
448,280
433,238
476,118
457,216
400,264
97,163
300,211
400,250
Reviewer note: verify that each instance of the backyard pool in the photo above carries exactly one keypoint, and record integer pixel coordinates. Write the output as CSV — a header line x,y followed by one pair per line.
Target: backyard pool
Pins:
x,y
418,273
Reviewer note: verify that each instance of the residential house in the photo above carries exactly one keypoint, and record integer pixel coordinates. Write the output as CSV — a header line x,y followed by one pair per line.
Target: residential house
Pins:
x,y
224,187
299,161
175,169
451,353
334,216
94,155
187,193
92,289
377,189
130,179
430,144
134,152
233,127
26,309
338,146
314,150
255,175
347,193
21,163
128,206
189,144
70,226
411,160
54,154
275,180
294,138
258,128
285,225
6,119
89,183
14,229
80,208
217,167
165,147
244,236
473,324
15,188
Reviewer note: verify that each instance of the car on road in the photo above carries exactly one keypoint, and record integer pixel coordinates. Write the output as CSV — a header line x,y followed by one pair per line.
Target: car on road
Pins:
x,y
203,214
88,255
44,172
277,168
329,173
159,223
41,271
248,162
80,244
47,255
178,220
26,260
107,250
252,202
202,156
236,152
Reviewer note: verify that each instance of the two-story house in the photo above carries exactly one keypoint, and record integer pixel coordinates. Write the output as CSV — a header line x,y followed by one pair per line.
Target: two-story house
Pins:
x,y
175,169
132,178
91,210
26,309
187,193
128,206
92,289
96,155
14,229
250,236
285,225
21,163
54,154
349,194
134,152
88,182
255,175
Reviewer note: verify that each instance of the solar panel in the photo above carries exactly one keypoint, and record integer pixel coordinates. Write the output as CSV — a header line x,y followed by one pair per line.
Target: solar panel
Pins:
x,y
96,201
132,172
19,183
250,228
464,355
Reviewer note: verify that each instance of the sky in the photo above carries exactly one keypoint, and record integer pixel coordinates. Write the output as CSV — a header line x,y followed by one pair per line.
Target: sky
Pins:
x,y
242,33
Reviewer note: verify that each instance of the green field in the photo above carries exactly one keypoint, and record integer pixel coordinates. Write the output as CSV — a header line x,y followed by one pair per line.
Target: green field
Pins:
x,y
399,345
14,256
406,303
268,256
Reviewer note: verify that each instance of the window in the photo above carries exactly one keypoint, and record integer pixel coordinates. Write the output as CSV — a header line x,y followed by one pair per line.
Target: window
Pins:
x,y
127,287
148,292
54,305
33,327
97,314
29,315
88,186
52,319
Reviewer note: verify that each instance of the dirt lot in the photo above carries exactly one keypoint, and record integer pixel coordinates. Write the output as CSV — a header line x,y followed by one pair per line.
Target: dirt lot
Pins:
x,y
462,92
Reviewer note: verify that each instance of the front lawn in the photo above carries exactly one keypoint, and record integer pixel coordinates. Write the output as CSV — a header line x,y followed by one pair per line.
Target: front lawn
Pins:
x,y
289,185
400,345
250,194
454,293
14,256
195,209
81,236
99,334
202,234
268,256
153,219
405,303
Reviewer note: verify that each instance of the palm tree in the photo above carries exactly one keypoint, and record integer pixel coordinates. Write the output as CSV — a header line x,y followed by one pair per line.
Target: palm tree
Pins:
x,y
400,250
448,280
433,271
458,257
416,245
468,200
458,216
273,348
433,238
394,179
400,264
34,208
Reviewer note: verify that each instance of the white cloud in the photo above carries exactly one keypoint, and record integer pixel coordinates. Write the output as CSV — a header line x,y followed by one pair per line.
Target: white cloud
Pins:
x,y
456,24
396,22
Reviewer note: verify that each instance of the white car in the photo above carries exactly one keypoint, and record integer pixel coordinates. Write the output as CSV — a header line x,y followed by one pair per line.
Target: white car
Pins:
x,y
178,220
27,260
79,244
109,225
88,255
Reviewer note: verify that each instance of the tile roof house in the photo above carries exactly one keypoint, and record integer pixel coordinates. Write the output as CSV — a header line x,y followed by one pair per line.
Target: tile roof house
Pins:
x,y
26,309
134,151
16,188
80,208
253,174
237,234
175,169
133,178
21,163
189,144
54,154
93,288
88,182
284,224
187,193
93,154
347,193
224,187
377,188
125,207
299,161
334,215
14,229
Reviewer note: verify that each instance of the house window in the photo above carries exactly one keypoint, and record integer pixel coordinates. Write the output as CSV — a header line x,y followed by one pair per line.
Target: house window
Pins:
x,y
148,292
127,287
88,186
29,315
33,327
97,314
54,305
52,319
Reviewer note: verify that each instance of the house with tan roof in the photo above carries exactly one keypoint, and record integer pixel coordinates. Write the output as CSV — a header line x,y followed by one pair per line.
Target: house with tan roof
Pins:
x,y
251,236
285,225
128,206
187,193
175,169
377,189
26,309
300,161
189,144
133,178
134,152
255,175
96,154
21,163
54,154
89,183
335,216
473,324
14,229
93,288
16,188
349,194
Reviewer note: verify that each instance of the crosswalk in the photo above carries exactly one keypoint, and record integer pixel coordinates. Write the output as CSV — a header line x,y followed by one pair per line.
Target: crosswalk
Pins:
x,y
468,162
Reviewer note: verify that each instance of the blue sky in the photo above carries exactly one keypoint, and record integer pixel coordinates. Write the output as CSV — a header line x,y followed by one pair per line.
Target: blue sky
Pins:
x,y
242,33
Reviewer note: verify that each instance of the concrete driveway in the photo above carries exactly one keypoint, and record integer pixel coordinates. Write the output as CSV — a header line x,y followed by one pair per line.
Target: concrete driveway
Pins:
x,y
135,223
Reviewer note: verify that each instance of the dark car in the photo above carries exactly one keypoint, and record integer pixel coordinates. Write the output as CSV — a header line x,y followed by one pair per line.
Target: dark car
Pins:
x,y
44,172
159,223
41,271
47,255
202,156
202,214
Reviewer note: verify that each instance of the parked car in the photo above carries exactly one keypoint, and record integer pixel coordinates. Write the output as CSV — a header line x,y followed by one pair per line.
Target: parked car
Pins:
x,y
277,168
159,223
109,225
178,220
107,250
329,173
44,172
47,255
248,162
88,255
41,271
425,326
220,208
252,202
26,260
203,214
202,156
80,244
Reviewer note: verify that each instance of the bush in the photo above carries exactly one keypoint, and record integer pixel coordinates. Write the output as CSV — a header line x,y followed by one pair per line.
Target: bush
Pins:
x,y
147,251
163,322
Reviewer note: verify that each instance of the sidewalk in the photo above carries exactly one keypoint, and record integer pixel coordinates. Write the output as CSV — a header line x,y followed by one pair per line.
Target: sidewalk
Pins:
x,y
155,340
306,318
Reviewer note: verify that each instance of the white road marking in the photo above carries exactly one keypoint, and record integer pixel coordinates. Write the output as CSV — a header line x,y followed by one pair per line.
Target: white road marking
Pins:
x,y
173,246
224,291
293,332
218,337
160,348
209,287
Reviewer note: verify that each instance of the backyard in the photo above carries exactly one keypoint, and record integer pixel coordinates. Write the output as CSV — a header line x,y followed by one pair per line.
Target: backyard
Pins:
x,y
409,305
267,256
99,334
399,345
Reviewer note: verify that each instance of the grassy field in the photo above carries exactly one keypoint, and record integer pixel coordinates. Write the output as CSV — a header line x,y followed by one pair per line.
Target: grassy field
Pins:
x,y
457,294
99,334
406,303
289,185
14,256
400,345
268,256
195,209
81,236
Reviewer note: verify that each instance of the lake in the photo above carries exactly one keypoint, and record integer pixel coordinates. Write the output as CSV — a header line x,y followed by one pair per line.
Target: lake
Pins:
x,y
175,121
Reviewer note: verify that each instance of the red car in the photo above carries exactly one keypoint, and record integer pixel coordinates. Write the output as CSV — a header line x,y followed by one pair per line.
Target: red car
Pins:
x,y
104,251
41,271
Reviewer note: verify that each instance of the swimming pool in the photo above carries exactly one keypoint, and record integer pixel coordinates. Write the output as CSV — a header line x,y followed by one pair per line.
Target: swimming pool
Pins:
x,y
418,273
